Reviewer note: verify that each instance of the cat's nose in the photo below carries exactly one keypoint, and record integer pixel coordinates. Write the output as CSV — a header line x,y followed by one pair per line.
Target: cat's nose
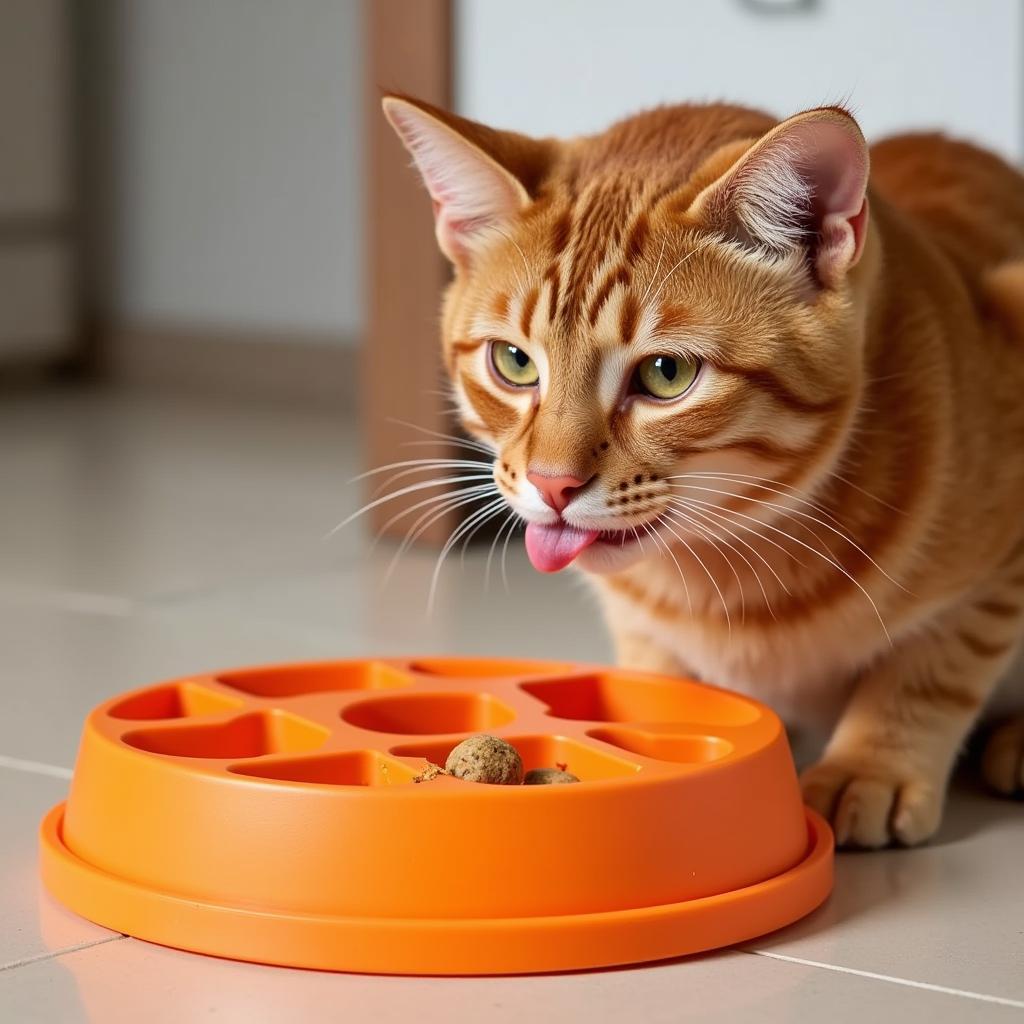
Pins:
x,y
556,491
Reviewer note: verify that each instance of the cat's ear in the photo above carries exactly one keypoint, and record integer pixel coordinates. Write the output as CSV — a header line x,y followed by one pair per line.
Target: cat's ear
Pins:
x,y
801,186
477,177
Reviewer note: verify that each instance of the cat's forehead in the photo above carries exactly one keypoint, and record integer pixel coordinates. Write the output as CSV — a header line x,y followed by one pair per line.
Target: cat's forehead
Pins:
x,y
600,268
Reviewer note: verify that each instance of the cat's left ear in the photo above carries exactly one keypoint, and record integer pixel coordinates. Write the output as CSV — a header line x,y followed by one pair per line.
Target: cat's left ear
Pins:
x,y
478,178
801,186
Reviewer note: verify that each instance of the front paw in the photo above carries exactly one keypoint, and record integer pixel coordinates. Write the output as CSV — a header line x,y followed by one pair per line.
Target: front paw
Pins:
x,y
872,806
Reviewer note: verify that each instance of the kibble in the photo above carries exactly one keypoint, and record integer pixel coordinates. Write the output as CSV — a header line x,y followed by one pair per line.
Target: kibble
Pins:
x,y
486,759
548,777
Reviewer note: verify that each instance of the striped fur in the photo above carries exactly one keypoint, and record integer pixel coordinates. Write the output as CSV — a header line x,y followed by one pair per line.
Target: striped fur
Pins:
x,y
831,517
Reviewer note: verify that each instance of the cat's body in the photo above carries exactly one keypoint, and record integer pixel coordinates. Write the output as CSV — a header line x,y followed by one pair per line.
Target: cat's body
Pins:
x,y
919,375
830,514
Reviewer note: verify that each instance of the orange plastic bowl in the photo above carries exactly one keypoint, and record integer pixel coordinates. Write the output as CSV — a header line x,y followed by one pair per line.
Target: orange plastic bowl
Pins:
x,y
271,814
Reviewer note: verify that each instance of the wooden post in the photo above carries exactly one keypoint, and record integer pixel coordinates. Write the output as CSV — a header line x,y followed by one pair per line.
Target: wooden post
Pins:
x,y
409,45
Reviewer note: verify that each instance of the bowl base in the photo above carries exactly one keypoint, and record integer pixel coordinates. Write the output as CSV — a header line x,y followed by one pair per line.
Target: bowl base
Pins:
x,y
523,945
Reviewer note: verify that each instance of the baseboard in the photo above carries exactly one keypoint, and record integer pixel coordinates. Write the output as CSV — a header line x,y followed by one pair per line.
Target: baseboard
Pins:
x,y
289,368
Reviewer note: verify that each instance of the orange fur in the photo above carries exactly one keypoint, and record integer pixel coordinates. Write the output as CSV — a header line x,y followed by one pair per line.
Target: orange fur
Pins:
x,y
849,544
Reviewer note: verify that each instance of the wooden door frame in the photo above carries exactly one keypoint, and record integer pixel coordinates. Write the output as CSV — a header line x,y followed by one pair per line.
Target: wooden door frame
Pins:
x,y
409,49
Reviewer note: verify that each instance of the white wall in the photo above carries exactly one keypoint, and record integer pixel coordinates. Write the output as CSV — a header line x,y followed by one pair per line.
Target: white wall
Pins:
x,y
236,163
572,66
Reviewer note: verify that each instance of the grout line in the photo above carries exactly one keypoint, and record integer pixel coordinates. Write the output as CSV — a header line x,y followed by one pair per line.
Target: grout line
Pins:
x,y
927,986
36,767
39,957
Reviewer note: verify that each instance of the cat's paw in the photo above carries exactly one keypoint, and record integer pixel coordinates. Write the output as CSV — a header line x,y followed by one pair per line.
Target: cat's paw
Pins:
x,y
1002,763
872,807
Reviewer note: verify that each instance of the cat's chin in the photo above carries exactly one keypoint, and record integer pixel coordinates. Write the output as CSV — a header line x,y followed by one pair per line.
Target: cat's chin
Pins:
x,y
605,557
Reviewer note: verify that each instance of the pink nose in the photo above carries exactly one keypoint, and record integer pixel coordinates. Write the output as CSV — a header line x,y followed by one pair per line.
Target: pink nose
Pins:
x,y
556,491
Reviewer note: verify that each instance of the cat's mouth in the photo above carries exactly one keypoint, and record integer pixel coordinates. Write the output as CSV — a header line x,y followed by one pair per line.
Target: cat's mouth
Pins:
x,y
553,546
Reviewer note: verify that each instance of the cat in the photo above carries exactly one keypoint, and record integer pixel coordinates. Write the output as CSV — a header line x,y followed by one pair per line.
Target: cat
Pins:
x,y
782,436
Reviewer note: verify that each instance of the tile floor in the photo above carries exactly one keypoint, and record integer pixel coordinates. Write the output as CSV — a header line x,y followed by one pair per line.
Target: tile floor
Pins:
x,y
142,538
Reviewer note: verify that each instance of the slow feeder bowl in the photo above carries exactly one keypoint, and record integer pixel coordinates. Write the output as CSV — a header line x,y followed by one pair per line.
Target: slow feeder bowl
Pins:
x,y
270,814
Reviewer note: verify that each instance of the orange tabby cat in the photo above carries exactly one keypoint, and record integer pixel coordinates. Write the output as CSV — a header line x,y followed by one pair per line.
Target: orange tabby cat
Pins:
x,y
785,444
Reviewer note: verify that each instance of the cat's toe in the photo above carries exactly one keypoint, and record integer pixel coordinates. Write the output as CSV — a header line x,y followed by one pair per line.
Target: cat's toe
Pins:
x,y
1002,763
869,809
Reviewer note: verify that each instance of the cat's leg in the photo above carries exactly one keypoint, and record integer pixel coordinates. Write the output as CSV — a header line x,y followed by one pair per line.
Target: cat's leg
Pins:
x,y
1002,763
884,773
1002,746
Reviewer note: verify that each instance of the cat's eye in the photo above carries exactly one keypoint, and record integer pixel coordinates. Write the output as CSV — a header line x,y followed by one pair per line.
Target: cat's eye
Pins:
x,y
513,364
665,376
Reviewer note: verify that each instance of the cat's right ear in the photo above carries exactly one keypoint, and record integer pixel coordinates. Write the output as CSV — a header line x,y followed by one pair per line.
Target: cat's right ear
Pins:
x,y
469,171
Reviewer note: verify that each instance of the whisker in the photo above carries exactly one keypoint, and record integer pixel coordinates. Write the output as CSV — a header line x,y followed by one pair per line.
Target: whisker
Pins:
x,y
672,555
488,453
449,503
781,510
700,562
472,533
867,494
712,539
419,466
504,552
409,489
789,513
723,525
762,483
442,436
444,498
715,541
487,512
637,538
412,472
830,561
510,519
718,513
471,463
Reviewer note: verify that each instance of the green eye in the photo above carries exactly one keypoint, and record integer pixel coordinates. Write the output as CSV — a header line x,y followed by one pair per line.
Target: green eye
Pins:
x,y
513,365
665,376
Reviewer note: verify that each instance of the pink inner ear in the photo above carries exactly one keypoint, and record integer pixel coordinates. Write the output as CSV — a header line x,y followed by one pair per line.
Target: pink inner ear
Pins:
x,y
469,191
859,225
832,158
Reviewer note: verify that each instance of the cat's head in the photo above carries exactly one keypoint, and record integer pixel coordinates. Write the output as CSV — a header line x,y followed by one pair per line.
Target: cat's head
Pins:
x,y
644,321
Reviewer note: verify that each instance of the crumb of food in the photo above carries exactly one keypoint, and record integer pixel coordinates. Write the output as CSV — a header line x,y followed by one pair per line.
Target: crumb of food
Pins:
x,y
430,772
486,759
548,777
562,766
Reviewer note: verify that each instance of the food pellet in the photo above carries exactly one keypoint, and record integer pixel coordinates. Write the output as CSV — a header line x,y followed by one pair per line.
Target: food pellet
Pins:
x,y
548,777
486,759
430,772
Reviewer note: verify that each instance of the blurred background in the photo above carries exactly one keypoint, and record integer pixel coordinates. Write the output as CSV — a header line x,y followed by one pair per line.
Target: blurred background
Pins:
x,y
219,286
218,306
184,184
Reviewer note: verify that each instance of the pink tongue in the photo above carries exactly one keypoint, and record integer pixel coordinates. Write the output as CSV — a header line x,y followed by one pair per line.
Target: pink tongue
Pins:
x,y
553,547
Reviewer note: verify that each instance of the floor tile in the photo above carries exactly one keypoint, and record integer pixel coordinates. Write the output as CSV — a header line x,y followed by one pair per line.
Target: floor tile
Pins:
x,y
472,612
32,924
116,495
948,914
146,539
131,981
58,665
